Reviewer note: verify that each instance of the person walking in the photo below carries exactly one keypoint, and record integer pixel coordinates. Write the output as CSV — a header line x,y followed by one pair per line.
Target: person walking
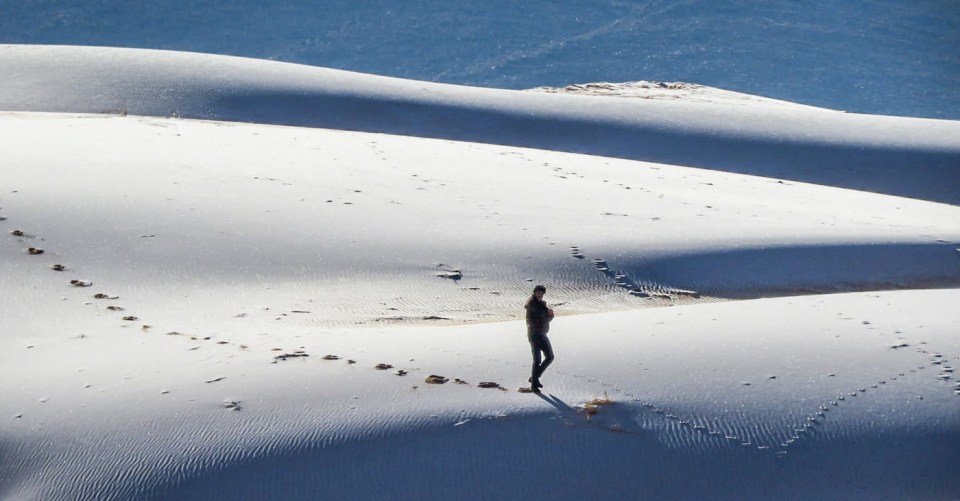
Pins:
x,y
538,324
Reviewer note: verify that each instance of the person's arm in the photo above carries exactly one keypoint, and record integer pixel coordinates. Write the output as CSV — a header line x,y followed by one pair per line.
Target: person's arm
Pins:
x,y
543,312
533,315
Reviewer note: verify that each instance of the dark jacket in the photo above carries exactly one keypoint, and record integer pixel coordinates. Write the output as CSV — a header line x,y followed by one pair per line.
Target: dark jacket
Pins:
x,y
538,321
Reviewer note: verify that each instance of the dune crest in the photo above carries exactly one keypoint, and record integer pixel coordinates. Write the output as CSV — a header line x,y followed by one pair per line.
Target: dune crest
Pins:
x,y
916,158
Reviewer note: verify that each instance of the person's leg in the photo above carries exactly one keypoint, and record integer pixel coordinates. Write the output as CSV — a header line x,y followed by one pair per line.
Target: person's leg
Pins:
x,y
535,348
547,350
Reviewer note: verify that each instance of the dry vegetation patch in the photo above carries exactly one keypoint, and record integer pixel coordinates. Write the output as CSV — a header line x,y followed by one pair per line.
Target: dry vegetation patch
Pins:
x,y
592,408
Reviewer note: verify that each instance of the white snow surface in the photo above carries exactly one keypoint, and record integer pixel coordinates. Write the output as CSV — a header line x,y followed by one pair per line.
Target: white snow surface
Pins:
x,y
223,224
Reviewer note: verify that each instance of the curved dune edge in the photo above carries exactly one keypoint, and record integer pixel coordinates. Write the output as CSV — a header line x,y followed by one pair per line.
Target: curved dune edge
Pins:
x,y
907,157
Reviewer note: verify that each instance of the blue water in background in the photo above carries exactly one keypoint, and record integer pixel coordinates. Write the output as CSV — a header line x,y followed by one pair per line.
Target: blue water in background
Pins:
x,y
892,57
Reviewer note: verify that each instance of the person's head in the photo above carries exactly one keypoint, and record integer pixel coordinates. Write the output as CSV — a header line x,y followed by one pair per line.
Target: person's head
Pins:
x,y
539,291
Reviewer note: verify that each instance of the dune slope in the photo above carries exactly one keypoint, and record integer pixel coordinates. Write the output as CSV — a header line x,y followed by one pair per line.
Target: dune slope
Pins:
x,y
909,157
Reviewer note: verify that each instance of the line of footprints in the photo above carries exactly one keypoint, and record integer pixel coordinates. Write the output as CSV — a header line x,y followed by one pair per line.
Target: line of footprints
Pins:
x,y
637,288
812,421
24,237
819,417
233,405
37,251
431,379
796,434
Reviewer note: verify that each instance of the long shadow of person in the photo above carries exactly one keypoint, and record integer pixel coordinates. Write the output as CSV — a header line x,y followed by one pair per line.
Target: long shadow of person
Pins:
x,y
560,405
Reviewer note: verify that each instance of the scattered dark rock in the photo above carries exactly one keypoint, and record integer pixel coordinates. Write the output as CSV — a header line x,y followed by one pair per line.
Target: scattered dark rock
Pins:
x,y
232,405
285,356
452,275
80,283
17,233
35,251
115,308
58,267
434,379
401,372
105,296
130,318
488,384
383,367
331,357
216,379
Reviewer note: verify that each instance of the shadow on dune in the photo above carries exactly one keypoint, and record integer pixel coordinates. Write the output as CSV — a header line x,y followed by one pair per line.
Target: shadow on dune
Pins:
x,y
790,270
539,458
558,404
922,173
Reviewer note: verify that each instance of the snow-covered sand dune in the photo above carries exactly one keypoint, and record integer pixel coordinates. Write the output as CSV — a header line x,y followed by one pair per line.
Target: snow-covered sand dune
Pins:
x,y
742,408
371,223
213,299
908,157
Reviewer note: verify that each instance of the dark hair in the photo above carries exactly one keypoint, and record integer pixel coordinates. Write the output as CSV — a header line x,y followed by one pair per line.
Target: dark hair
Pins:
x,y
533,297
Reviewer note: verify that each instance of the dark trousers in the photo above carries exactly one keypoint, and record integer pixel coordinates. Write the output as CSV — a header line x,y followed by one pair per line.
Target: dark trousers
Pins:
x,y
539,343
